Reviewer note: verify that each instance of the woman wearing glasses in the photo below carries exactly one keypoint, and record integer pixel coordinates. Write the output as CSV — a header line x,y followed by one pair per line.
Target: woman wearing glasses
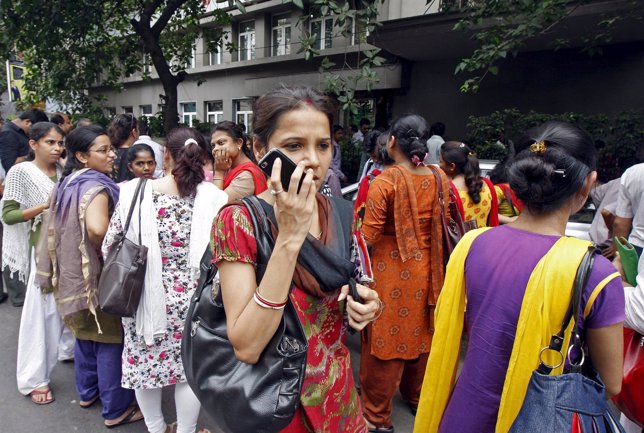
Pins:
x,y
81,206
123,131
26,196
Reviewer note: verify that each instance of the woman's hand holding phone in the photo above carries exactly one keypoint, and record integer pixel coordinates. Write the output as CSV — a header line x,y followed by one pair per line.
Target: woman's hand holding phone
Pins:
x,y
293,209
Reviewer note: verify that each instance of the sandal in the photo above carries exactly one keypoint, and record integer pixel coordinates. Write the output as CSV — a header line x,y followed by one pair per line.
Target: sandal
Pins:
x,y
373,429
132,414
88,403
44,396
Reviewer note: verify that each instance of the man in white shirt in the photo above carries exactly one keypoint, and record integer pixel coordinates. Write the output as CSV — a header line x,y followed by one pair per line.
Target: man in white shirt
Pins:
x,y
629,214
158,149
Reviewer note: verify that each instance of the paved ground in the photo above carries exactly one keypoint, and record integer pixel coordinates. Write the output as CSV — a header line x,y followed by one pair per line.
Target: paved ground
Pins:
x,y
19,415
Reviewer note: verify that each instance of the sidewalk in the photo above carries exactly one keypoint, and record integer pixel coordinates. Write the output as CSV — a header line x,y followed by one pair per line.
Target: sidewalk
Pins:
x,y
19,415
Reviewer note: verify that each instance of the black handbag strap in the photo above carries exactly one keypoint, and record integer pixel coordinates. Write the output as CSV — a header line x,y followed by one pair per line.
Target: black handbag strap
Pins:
x,y
138,193
557,340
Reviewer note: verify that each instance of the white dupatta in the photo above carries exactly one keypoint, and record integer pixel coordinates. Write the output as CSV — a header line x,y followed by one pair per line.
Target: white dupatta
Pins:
x,y
151,314
29,186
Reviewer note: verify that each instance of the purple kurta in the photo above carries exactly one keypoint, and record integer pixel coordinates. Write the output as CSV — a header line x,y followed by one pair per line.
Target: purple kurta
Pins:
x,y
497,271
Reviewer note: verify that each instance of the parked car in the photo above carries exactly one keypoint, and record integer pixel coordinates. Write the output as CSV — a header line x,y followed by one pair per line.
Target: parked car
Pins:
x,y
578,225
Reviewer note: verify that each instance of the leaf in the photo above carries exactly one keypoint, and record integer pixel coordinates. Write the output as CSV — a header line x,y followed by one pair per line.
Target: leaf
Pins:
x,y
298,3
240,6
494,70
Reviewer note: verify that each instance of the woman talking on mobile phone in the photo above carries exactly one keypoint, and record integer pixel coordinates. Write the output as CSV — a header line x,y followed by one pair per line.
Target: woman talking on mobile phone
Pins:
x,y
298,122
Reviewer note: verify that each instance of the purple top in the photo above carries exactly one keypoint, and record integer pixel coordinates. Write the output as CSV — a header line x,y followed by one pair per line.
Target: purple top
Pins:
x,y
497,271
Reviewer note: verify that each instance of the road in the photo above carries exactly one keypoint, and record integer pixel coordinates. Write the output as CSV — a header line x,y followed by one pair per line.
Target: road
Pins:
x,y
19,415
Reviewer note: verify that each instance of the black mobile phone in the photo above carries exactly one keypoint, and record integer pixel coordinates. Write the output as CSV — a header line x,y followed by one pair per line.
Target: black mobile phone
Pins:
x,y
288,167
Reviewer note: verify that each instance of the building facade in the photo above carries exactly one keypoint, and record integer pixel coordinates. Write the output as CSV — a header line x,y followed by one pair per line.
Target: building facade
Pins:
x,y
422,52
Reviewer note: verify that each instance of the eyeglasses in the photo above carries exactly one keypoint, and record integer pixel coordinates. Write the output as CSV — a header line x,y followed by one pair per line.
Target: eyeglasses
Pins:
x,y
105,150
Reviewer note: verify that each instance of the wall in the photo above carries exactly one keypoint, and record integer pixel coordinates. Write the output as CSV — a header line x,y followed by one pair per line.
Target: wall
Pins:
x,y
546,81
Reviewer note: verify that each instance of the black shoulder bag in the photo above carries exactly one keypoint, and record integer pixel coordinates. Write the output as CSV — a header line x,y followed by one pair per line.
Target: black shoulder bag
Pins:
x,y
123,276
240,397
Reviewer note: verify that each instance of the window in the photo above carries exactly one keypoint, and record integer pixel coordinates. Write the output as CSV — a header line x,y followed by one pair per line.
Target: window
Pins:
x,y
188,112
244,112
214,111
192,61
281,43
214,57
322,29
247,40
145,110
147,64
127,109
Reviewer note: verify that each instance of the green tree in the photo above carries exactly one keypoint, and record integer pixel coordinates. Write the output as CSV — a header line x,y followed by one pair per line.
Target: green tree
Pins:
x,y
70,46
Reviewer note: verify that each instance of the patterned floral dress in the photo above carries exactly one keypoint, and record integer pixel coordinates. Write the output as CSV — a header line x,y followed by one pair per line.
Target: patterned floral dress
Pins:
x,y
329,402
160,365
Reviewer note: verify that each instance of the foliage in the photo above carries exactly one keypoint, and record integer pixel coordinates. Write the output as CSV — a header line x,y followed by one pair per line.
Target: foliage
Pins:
x,y
619,138
502,28
72,46
365,15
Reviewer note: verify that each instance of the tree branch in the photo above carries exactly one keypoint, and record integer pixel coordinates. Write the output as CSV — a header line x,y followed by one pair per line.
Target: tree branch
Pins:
x,y
166,15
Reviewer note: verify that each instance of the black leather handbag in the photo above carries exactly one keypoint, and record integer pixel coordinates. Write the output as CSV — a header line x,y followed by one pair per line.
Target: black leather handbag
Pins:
x,y
240,397
121,283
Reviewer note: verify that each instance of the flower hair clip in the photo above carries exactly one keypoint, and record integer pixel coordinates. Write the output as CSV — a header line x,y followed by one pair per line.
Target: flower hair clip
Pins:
x,y
417,160
538,147
472,154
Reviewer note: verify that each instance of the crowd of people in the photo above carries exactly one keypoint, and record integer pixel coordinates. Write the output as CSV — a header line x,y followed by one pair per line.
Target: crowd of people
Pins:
x,y
67,193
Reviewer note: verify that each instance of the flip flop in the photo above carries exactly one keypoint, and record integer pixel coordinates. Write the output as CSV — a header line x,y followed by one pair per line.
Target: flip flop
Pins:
x,y
89,403
41,397
133,415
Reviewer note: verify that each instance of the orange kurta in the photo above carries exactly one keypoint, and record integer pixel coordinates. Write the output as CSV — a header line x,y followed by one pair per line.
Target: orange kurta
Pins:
x,y
403,331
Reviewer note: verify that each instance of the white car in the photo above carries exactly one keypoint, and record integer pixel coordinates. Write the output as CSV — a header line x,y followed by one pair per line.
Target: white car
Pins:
x,y
578,225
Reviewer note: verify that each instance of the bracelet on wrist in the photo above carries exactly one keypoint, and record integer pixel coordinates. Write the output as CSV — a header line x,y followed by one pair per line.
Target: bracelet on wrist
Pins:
x,y
265,303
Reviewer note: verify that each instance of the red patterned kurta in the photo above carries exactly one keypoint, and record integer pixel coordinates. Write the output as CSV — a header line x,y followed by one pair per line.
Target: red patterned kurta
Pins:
x,y
329,402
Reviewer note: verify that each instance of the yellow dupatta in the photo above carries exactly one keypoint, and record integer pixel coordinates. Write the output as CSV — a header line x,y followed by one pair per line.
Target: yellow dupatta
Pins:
x,y
542,311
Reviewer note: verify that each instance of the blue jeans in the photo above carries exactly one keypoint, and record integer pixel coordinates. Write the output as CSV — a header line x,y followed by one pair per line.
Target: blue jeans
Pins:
x,y
551,401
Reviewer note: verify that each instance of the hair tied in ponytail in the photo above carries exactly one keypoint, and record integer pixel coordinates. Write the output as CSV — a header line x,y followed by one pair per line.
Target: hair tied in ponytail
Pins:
x,y
418,160
190,141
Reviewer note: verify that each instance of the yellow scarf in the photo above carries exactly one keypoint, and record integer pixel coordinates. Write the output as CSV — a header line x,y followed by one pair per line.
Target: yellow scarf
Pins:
x,y
545,302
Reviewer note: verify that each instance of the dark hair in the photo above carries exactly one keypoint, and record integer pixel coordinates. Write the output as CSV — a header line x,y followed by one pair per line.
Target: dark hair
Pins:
x,y
188,158
365,121
79,140
411,132
131,153
545,180
353,127
40,129
437,128
235,132
270,106
499,174
144,129
383,155
370,140
120,128
35,115
57,118
337,128
459,154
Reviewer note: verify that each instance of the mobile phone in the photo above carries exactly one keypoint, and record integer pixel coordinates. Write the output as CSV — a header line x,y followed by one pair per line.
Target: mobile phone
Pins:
x,y
288,167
